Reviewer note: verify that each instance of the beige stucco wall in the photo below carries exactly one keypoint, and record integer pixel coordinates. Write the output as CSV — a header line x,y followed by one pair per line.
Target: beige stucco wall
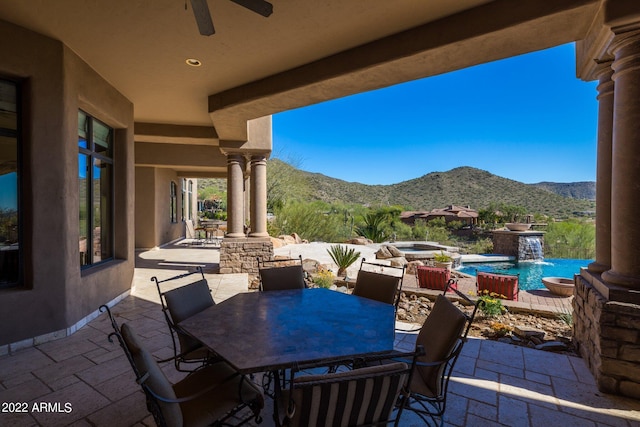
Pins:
x,y
56,83
145,208
152,216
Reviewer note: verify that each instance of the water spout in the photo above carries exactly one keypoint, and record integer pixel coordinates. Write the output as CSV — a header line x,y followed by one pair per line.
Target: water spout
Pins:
x,y
532,249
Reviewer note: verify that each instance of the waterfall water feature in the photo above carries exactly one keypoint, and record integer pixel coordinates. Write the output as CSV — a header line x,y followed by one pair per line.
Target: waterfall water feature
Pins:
x,y
532,249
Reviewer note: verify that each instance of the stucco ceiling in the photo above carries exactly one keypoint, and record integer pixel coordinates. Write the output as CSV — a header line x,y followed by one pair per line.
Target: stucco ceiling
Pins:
x,y
140,46
307,51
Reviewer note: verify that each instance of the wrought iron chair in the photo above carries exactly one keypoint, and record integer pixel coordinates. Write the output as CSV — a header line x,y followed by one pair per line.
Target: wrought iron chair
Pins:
x,y
504,285
281,274
442,335
179,304
208,396
379,282
359,397
435,278
193,233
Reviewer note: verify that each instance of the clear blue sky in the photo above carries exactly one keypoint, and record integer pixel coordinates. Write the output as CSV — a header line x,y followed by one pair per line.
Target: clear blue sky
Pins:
x,y
526,118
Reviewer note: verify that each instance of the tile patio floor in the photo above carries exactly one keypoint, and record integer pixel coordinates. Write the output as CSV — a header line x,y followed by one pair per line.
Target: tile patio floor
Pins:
x,y
494,384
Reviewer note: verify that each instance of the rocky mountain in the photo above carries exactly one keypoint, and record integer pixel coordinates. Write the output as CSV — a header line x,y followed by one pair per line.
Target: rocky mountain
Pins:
x,y
576,190
460,186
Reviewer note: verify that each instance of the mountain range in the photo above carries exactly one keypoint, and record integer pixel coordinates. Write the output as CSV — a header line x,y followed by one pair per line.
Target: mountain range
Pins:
x,y
461,186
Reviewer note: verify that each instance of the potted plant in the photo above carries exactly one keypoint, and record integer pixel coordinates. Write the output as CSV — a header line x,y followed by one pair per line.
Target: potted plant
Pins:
x,y
343,257
443,260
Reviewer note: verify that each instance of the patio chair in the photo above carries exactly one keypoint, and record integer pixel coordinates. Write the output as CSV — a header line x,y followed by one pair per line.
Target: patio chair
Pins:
x,y
281,274
379,282
435,278
193,233
210,395
504,285
442,336
359,397
179,304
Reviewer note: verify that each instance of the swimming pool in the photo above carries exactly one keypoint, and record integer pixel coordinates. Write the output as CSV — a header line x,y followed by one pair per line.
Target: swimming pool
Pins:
x,y
531,272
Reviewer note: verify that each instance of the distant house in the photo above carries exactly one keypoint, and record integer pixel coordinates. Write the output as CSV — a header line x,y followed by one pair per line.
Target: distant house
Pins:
x,y
451,213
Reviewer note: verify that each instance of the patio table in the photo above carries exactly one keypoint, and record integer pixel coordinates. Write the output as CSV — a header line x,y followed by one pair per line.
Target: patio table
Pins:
x,y
268,331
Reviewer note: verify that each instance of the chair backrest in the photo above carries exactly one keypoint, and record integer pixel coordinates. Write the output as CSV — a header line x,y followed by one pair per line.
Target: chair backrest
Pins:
x,y
151,378
434,278
148,374
190,231
357,397
181,303
502,284
279,275
379,282
441,336
187,300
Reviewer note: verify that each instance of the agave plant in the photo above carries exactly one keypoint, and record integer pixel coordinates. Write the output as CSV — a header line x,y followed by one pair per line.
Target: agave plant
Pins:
x,y
343,257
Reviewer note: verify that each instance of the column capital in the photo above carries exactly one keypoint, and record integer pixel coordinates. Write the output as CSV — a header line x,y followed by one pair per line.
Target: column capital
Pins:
x,y
604,73
258,158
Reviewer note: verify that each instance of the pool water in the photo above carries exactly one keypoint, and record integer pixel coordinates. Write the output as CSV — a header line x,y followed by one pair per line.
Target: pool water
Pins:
x,y
531,272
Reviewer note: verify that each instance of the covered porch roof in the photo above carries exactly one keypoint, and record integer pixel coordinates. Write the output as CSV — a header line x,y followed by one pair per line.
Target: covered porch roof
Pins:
x,y
305,52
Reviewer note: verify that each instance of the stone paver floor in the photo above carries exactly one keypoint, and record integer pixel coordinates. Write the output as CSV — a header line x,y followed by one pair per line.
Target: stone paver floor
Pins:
x,y
84,380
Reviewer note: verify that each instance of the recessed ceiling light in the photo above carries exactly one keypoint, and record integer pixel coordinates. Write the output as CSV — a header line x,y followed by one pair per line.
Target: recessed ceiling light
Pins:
x,y
193,62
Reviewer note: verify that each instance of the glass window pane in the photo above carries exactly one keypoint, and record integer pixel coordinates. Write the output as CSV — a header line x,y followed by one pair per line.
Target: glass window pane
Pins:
x,y
83,193
9,179
8,106
82,129
102,138
190,200
102,246
173,208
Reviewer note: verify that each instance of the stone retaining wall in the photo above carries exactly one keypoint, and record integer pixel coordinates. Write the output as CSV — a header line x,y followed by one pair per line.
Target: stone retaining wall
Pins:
x,y
607,334
241,255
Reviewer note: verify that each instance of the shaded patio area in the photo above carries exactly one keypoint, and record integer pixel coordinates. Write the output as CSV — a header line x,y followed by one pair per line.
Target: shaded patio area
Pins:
x,y
88,381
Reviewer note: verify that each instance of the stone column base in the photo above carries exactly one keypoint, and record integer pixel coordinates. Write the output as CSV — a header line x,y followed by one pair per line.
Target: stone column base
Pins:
x,y
607,334
241,255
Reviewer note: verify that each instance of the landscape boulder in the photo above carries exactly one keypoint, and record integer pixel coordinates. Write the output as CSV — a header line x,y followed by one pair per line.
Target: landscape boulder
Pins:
x,y
359,241
395,252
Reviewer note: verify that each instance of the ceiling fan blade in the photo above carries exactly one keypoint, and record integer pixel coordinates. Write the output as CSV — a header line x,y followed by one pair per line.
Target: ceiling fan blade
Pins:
x,y
203,17
260,7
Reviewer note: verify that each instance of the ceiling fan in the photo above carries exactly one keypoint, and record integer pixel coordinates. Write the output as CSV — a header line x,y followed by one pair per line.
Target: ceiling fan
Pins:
x,y
203,16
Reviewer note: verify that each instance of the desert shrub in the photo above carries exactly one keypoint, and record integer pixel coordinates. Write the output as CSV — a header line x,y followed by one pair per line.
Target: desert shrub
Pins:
x,y
343,257
313,221
323,278
573,238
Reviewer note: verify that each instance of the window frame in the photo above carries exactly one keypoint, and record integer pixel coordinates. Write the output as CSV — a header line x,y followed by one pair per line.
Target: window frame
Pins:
x,y
173,202
92,155
18,135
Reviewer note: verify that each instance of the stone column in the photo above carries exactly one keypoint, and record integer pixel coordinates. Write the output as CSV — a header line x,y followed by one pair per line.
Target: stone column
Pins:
x,y
259,196
235,196
603,173
625,163
247,193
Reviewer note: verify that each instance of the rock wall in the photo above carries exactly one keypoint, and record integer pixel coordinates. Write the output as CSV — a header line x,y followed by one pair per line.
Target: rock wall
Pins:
x,y
515,244
241,255
607,334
